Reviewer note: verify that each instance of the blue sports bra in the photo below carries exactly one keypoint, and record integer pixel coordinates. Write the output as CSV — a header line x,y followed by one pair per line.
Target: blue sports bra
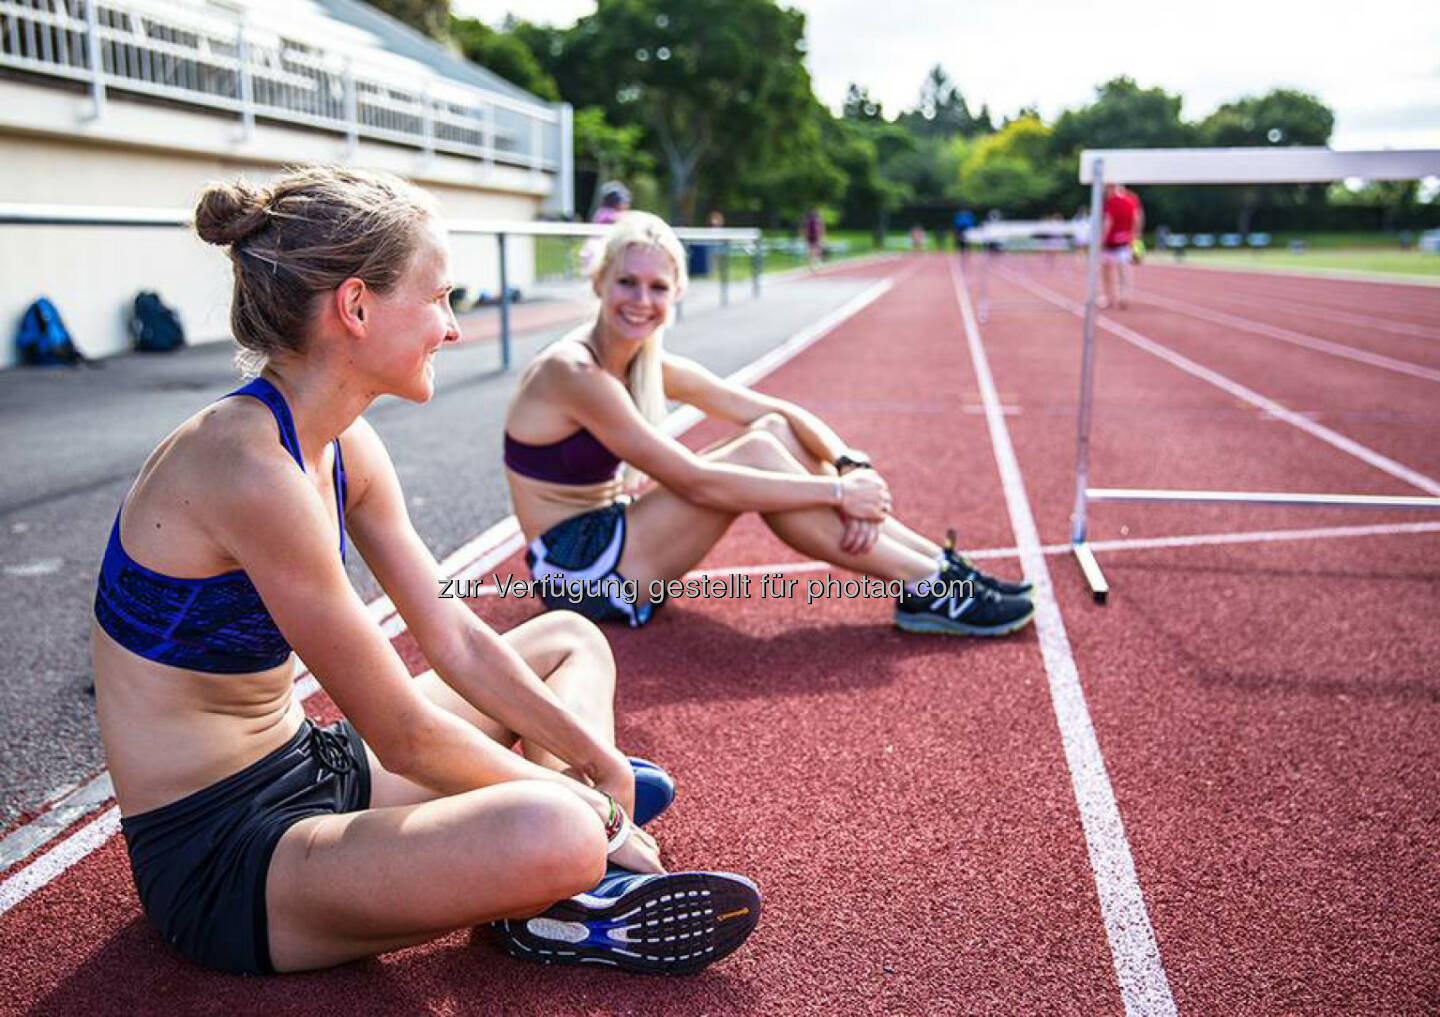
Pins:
x,y
216,624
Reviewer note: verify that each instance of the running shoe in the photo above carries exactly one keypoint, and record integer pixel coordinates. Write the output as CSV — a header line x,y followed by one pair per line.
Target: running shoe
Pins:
x,y
968,570
670,924
654,790
958,608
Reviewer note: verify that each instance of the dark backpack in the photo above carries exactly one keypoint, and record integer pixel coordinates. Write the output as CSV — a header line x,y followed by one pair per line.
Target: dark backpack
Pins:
x,y
155,326
43,338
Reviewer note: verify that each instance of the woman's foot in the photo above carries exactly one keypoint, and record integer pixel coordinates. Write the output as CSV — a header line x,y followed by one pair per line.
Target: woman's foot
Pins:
x,y
671,924
957,607
967,570
654,790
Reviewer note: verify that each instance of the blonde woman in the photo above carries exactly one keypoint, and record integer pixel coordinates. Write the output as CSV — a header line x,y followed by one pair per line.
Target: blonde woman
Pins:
x,y
593,401
260,842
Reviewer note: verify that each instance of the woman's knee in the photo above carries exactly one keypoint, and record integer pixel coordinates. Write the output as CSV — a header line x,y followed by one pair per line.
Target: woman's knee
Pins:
x,y
762,449
771,423
565,840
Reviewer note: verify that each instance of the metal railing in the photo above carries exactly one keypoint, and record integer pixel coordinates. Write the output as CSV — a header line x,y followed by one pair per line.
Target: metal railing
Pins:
x,y
185,53
744,240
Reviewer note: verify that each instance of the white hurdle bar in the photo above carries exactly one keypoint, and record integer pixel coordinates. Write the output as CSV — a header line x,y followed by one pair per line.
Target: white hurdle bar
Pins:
x,y
1210,166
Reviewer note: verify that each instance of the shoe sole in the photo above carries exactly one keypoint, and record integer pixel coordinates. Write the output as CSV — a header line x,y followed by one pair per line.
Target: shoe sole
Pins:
x,y
675,925
928,623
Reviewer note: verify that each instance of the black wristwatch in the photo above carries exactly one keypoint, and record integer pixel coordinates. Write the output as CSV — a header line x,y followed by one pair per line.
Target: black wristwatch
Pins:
x,y
847,462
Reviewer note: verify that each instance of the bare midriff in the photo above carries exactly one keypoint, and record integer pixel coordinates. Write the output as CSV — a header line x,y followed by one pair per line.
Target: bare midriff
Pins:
x,y
169,732
541,504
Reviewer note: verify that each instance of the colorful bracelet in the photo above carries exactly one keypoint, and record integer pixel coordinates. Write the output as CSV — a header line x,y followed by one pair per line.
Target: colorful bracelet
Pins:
x,y
617,826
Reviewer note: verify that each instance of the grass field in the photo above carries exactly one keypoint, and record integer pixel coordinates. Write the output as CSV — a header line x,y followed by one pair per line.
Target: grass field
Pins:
x,y
1346,259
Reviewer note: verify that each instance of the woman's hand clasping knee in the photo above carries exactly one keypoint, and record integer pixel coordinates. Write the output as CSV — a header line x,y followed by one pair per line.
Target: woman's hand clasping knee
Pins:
x,y
864,495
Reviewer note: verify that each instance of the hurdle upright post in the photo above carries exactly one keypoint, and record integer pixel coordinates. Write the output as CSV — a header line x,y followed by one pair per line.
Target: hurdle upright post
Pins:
x,y
724,273
1099,589
504,305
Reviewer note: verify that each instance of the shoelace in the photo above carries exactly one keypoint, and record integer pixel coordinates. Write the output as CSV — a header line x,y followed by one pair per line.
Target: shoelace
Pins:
x,y
333,751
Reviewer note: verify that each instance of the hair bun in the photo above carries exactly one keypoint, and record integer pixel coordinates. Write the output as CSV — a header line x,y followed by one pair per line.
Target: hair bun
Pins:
x,y
228,213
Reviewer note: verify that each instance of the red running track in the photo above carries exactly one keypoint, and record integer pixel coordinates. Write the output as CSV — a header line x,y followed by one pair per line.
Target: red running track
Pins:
x,y
1267,714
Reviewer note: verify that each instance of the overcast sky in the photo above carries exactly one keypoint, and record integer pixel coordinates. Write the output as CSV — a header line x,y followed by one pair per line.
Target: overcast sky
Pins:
x,y
1377,66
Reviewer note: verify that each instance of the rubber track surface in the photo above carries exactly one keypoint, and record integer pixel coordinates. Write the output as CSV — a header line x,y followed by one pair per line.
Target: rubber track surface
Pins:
x,y
1268,715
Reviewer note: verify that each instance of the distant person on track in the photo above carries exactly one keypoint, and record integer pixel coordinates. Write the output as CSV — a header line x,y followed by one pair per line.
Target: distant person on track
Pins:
x,y
812,230
260,841
1124,223
963,223
594,400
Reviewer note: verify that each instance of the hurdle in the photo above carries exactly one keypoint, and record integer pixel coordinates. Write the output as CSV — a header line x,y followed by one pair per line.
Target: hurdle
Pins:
x,y
992,236
1293,165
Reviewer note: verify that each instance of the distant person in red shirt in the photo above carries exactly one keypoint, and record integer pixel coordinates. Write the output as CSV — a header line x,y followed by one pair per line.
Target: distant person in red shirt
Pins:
x,y
1124,221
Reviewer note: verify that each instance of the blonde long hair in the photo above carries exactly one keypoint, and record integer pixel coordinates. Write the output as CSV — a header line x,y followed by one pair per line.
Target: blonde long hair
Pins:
x,y
645,378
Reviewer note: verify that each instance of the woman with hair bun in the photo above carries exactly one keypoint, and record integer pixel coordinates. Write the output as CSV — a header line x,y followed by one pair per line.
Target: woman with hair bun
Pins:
x,y
595,399
260,842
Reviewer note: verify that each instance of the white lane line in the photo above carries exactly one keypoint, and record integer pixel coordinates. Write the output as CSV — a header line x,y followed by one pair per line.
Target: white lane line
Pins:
x,y
1144,987
1404,328
1129,544
78,803
1220,381
1286,335
49,865
472,559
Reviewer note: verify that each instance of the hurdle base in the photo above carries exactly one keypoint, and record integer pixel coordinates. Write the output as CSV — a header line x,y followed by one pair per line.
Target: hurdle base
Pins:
x,y
1090,568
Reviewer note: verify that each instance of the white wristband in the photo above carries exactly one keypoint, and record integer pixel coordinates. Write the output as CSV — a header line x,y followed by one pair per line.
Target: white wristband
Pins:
x,y
621,836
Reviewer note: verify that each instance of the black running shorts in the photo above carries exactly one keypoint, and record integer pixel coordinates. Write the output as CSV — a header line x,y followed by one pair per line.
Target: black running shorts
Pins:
x,y
200,863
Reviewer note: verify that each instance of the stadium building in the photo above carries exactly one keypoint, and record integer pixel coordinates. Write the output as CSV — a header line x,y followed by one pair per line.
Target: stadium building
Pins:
x,y
188,91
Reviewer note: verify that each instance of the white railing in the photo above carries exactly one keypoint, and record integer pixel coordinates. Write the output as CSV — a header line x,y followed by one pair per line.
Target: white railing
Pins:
x,y
187,54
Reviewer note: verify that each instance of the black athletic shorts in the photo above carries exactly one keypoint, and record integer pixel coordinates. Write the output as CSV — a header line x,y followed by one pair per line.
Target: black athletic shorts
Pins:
x,y
200,863
575,563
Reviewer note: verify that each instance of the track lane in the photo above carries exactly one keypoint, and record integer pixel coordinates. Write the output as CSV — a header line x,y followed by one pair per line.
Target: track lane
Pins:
x,y
1268,710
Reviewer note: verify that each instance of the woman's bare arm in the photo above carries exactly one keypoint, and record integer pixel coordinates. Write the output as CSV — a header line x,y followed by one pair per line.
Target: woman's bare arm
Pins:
x,y
693,383
599,403
466,653
274,523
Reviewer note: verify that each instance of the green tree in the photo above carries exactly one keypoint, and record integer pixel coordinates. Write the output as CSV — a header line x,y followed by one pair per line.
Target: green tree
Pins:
x,y
1011,170
1123,115
1281,117
505,54
432,17
719,86
609,152
869,196
859,105
942,110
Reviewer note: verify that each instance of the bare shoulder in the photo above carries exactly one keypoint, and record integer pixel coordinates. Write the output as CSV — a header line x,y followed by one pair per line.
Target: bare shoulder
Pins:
x,y
231,451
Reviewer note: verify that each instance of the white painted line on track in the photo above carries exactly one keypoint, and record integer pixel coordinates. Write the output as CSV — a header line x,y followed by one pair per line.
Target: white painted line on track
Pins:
x,y
471,559
1286,335
1270,302
49,865
1220,381
1144,987
1130,544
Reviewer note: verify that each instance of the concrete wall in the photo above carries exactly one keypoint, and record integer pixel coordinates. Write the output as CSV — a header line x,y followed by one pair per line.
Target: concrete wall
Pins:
x,y
162,158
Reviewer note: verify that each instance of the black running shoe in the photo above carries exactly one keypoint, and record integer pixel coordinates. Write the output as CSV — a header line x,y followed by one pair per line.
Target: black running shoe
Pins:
x,y
671,924
967,570
962,608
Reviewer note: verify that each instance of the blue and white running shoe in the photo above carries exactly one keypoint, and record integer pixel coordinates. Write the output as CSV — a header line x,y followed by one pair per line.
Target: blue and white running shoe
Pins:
x,y
671,924
654,790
